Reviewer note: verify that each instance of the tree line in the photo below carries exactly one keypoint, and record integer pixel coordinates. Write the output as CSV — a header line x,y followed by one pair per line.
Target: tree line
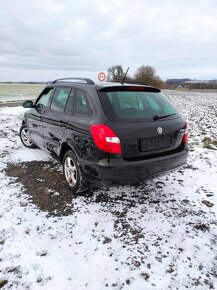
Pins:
x,y
203,86
148,75
144,74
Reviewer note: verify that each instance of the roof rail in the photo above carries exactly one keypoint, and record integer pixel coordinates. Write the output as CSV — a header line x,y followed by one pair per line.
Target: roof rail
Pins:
x,y
75,80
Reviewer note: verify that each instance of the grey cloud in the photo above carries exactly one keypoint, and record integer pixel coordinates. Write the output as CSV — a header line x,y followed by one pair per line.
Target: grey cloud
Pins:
x,y
175,37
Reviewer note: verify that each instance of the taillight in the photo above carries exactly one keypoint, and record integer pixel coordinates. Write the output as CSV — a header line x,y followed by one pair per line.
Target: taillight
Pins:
x,y
185,137
105,139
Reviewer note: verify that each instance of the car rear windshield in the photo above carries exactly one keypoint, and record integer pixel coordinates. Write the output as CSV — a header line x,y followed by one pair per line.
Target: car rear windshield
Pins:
x,y
136,105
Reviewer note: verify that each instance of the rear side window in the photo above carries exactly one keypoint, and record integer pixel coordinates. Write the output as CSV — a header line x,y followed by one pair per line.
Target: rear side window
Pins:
x,y
81,104
135,105
59,99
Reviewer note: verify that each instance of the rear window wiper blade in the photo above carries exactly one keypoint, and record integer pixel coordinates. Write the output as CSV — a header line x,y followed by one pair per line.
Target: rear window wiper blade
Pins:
x,y
157,117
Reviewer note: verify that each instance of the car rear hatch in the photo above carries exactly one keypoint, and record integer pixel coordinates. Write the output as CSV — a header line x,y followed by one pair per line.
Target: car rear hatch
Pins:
x,y
145,121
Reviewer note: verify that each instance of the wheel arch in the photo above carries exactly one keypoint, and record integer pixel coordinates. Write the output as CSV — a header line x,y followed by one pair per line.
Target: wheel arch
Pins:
x,y
66,146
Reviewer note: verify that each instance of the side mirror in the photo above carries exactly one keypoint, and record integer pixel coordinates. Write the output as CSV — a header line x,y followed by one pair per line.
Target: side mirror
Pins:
x,y
28,104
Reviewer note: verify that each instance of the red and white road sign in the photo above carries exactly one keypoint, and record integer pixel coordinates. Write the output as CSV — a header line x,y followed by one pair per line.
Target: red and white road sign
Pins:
x,y
101,76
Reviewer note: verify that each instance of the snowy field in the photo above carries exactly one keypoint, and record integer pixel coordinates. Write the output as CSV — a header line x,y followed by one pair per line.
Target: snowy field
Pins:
x,y
158,235
11,92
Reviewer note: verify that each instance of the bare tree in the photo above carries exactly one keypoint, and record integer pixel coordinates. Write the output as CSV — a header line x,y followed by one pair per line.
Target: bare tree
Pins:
x,y
147,74
115,73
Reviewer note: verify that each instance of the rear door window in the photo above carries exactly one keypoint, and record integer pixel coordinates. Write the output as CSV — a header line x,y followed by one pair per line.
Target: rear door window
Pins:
x,y
70,103
60,99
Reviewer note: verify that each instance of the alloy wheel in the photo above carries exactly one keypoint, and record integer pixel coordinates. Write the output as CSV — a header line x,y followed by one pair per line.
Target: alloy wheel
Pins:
x,y
70,171
25,137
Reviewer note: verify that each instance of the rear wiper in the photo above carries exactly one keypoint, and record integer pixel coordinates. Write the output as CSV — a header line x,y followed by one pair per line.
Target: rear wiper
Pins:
x,y
157,117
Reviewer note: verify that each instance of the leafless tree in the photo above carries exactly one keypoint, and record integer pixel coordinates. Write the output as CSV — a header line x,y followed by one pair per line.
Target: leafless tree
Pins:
x,y
115,73
147,74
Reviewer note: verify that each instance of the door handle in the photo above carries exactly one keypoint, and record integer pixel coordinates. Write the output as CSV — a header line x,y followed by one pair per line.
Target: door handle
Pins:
x,y
61,123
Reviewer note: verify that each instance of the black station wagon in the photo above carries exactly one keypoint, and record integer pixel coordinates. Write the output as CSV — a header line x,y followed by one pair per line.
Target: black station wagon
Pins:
x,y
106,133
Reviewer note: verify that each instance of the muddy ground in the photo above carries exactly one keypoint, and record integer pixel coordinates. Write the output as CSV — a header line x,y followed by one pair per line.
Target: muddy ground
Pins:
x,y
43,181
47,189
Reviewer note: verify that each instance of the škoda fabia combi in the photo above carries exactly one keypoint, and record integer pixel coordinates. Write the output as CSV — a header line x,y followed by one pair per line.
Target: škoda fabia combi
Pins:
x,y
106,133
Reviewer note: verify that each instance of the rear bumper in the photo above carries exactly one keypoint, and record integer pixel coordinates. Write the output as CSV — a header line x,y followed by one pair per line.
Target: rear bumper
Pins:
x,y
118,171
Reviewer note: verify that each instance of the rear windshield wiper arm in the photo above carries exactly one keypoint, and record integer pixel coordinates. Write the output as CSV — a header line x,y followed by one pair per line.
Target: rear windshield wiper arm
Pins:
x,y
157,117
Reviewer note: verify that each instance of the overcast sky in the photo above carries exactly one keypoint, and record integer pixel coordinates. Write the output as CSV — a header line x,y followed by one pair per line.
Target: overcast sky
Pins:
x,y
47,39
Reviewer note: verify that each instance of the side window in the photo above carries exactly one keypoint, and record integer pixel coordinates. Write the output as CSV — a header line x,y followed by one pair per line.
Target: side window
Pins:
x,y
59,99
81,104
70,102
43,102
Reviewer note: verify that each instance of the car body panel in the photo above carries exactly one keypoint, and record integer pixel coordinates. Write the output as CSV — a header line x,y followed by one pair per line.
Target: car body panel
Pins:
x,y
118,171
132,135
34,122
53,126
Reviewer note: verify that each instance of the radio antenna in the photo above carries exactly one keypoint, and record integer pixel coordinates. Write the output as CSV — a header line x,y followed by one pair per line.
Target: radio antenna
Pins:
x,y
122,82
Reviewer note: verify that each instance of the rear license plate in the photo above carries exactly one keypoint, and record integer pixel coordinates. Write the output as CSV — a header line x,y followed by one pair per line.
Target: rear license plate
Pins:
x,y
155,143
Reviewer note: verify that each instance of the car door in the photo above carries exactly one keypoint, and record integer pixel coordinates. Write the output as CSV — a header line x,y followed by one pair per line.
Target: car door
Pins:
x,y
35,116
78,128
56,118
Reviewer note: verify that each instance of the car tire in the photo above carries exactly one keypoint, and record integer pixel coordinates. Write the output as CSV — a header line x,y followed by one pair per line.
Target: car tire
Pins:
x,y
73,174
25,138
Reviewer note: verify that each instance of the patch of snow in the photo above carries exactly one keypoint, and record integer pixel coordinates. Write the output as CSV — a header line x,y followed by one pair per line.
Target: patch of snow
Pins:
x,y
159,235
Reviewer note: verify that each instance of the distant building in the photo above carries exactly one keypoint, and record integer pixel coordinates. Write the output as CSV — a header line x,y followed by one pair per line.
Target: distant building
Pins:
x,y
177,81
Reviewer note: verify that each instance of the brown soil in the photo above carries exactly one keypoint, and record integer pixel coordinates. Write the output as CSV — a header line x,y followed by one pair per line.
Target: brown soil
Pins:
x,y
44,182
